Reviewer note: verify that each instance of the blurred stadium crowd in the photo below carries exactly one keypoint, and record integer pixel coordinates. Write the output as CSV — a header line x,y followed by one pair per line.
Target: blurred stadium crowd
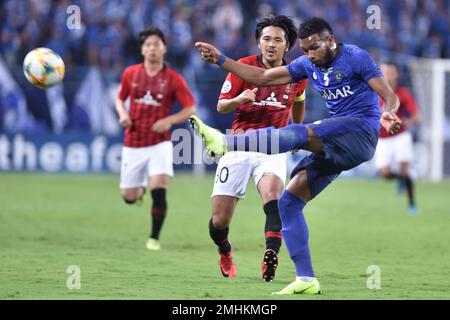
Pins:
x,y
106,42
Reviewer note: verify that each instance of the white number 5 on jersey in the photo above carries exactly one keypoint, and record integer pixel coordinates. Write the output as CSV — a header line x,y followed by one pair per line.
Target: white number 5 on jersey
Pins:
x,y
326,79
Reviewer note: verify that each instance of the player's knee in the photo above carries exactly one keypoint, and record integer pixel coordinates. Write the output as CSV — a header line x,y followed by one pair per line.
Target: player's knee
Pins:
x,y
270,187
273,191
129,197
404,172
216,233
220,221
385,172
222,211
299,187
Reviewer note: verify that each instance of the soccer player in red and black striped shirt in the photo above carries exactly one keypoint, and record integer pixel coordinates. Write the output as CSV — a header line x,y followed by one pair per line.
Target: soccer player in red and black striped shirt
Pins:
x,y
395,152
152,88
255,108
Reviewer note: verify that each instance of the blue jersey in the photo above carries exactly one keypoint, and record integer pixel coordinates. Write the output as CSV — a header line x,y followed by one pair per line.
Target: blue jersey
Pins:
x,y
344,84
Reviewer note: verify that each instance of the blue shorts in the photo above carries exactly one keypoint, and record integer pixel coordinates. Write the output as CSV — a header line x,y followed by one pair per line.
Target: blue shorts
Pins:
x,y
347,141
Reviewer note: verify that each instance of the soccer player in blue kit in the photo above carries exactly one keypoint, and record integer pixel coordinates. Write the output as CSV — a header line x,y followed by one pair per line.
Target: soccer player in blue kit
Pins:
x,y
350,81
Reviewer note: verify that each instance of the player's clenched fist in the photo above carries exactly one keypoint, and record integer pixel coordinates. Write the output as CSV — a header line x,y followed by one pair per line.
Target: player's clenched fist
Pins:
x,y
248,95
125,120
209,53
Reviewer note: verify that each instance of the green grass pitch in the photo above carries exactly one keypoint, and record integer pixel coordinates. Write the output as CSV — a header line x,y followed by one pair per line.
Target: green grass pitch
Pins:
x,y
49,222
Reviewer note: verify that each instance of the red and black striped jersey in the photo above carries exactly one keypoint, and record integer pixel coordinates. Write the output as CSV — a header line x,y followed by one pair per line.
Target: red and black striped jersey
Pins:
x,y
151,99
272,106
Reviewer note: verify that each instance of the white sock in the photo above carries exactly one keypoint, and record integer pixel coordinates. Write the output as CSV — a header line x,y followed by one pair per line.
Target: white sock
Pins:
x,y
306,279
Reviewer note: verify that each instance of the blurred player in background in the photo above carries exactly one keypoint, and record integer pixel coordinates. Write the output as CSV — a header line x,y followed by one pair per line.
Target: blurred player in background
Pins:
x,y
350,81
152,88
394,153
256,108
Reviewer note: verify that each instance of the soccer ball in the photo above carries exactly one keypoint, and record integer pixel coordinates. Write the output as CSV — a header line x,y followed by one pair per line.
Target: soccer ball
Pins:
x,y
43,68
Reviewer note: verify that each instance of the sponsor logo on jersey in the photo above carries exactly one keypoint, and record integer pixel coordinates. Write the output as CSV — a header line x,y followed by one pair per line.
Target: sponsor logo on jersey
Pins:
x,y
148,100
270,101
226,87
326,70
342,92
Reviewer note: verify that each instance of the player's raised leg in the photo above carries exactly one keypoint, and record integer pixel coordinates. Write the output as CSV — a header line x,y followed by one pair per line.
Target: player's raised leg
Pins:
x,y
222,213
267,140
270,187
158,191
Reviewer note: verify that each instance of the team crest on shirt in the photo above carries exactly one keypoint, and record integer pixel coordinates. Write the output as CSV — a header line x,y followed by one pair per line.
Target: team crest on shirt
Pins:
x,y
315,75
339,76
226,87
162,85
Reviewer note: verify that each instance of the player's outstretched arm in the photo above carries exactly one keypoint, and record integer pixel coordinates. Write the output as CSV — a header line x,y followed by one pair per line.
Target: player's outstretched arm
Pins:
x,y
258,76
389,120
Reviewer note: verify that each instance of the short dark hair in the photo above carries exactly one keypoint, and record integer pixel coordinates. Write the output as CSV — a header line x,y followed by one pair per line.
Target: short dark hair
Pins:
x,y
281,21
151,31
312,26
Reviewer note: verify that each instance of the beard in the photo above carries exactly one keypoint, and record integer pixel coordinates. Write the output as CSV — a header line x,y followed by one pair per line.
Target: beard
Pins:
x,y
327,59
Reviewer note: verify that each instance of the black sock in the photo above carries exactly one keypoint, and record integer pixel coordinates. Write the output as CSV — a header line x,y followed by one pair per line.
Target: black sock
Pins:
x,y
272,227
410,190
159,210
220,237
